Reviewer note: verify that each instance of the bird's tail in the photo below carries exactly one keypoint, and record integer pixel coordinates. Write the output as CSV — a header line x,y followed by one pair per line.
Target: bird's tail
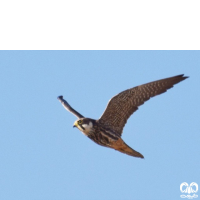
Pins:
x,y
124,148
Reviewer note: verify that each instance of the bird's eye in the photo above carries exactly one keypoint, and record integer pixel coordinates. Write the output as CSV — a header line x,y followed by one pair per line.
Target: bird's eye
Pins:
x,y
80,122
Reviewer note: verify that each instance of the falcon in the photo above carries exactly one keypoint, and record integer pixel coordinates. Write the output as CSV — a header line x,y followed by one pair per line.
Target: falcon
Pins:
x,y
107,130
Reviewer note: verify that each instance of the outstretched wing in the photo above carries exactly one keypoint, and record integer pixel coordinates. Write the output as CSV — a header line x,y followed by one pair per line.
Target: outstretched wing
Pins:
x,y
68,107
121,106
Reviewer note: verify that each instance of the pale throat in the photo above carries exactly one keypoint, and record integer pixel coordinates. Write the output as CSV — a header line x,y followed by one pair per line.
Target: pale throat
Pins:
x,y
87,127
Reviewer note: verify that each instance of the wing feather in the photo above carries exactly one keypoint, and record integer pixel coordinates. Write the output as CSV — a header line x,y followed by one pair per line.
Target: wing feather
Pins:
x,y
121,106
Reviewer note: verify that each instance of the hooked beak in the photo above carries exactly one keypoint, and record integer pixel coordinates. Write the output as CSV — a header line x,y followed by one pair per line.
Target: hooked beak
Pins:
x,y
75,124
78,125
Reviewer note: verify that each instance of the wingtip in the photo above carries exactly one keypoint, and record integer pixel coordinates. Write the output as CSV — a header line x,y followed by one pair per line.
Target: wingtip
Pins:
x,y
183,76
180,78
186,77
60,97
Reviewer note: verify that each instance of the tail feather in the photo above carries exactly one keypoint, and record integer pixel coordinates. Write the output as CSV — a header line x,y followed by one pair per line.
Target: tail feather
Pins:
x,y
124,148
128,150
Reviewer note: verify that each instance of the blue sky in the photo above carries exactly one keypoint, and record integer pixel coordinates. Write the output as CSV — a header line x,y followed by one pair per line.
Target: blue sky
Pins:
x,y
43,157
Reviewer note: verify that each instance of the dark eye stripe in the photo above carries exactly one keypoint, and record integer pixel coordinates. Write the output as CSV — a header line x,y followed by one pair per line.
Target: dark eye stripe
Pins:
x,y
82,127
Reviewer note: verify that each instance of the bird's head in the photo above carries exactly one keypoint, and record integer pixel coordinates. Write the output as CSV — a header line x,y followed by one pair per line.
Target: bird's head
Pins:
x,y
85,125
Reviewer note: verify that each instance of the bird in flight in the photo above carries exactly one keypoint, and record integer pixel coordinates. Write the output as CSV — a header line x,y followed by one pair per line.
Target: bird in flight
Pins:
x,y
107,130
